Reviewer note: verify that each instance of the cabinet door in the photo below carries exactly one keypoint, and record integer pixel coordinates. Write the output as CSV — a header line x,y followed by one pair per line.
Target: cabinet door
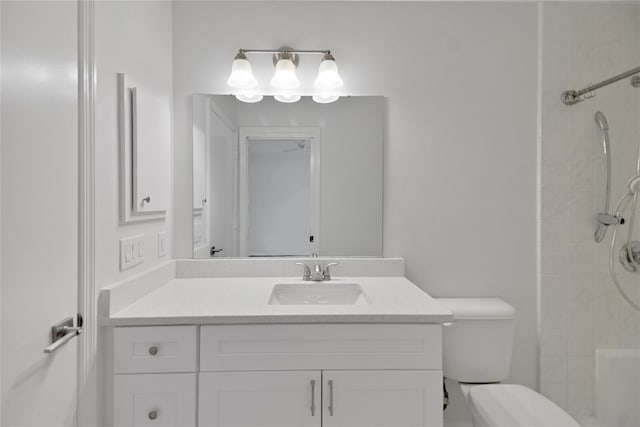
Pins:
x,y
260,399
382,398
159,400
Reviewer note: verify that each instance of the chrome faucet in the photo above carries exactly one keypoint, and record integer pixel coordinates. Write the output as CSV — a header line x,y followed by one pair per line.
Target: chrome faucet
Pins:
x,y
317,273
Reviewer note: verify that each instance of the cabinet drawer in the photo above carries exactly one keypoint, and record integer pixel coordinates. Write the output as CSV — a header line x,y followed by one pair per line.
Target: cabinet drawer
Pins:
x,y
337,346
159,400
154,349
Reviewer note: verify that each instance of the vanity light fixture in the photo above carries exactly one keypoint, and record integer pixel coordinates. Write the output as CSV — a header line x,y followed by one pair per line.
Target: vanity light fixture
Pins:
x,y
328,76
325,99
241,76
251,98
287,98
284,78
285,74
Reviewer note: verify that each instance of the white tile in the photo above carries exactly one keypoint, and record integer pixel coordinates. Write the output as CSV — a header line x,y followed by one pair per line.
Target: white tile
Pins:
x,y
554,177
553,342
580,369
553,287
581,260
553,233
553,369
607,338
580,204
554,261
581,342
580,399
554,205
553,315
556,392
580,287
580,315
606,312
580,231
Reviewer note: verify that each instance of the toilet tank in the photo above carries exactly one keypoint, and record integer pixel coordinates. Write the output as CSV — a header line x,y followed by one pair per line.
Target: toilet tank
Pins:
x,y
477,346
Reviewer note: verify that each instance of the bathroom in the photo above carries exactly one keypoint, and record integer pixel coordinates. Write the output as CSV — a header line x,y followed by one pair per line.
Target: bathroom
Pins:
x,y
489,183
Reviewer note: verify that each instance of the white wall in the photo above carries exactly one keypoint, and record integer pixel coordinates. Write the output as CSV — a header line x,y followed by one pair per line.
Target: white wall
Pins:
x,y
460,155
132,37
580,309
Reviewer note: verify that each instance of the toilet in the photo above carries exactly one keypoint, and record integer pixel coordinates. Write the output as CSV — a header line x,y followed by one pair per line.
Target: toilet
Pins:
x,y
477,353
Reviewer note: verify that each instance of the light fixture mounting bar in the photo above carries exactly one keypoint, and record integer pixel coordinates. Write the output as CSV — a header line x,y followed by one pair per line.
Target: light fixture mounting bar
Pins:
x,y
310,52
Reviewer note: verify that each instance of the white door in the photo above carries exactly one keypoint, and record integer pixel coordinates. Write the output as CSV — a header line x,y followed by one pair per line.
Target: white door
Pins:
x,y
222,186
260,399
382,398
39,202
279,197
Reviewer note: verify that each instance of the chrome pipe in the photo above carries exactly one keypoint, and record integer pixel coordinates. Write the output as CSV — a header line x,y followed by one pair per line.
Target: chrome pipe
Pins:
x,y
570,97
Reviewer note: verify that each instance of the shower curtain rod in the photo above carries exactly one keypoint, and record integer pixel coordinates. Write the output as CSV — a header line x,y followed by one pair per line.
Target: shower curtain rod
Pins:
x,y
570,97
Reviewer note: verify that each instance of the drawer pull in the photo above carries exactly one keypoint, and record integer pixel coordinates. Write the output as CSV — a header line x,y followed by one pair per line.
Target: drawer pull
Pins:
x,y
153,350
331,397
313,398
153,414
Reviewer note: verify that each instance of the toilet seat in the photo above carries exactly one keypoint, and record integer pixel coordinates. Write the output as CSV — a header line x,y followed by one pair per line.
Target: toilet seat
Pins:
x,y
513,405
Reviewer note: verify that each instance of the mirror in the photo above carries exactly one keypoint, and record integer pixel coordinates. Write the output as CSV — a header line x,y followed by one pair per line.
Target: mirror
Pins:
x,y
272,179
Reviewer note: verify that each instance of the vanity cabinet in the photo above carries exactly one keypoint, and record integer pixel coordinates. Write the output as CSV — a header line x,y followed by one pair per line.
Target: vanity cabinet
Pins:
x,y
319,398
279,375
265,399
381,398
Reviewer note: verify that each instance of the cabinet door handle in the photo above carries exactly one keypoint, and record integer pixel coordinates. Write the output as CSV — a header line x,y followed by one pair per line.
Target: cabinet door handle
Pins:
x,y
313,398
153,350
330,383
153,415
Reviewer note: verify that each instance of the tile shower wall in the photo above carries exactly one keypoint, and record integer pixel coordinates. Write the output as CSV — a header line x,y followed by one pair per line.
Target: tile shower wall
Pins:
x,y
580,309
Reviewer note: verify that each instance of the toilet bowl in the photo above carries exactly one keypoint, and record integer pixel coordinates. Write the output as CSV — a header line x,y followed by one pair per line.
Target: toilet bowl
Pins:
x,y
477,353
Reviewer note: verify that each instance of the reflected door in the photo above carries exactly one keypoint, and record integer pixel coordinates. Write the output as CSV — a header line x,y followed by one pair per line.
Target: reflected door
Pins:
x,y
221,180
279,197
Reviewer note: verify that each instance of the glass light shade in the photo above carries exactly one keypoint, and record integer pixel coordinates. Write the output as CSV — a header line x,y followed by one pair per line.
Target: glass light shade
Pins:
x,y
287,98
328,76
325,98
250,98
241,76
285,75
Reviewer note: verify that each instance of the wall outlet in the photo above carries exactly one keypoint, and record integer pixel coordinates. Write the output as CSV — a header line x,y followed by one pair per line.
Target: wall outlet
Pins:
x,y
131,251
162,244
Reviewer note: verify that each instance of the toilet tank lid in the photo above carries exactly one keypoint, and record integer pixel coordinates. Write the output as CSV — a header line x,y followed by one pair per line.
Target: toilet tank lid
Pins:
x,y
478,308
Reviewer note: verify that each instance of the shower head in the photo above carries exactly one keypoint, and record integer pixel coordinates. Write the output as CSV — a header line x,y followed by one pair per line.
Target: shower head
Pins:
x,y
634,185
601,120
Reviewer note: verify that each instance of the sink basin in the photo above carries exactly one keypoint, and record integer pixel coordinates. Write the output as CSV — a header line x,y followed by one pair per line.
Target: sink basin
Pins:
x,y
318,294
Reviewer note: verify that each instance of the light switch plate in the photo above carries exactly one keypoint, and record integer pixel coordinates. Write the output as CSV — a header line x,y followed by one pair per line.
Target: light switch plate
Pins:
x,y
162,244
131,251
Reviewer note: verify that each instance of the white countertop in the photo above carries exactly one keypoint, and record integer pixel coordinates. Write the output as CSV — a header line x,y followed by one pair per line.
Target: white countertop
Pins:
x,y
245,300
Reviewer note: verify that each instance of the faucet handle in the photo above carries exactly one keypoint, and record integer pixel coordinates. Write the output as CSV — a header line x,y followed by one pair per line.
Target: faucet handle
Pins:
x,y
306,275
326,275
